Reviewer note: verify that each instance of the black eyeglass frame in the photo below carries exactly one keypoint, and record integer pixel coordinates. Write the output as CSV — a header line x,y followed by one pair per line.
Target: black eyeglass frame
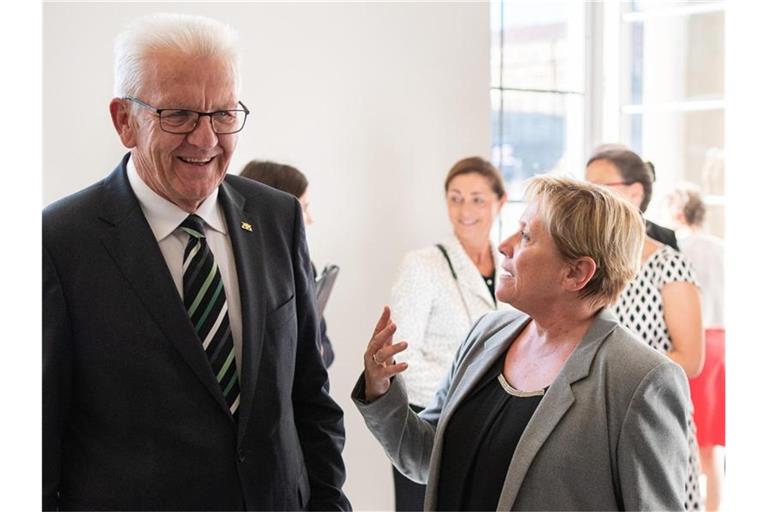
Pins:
x,y
616,183
159,111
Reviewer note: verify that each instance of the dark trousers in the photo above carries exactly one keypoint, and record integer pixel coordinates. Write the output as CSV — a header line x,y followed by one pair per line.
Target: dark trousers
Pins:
x,y
408,494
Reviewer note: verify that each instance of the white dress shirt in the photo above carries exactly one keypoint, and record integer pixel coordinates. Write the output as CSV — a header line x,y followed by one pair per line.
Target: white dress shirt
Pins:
x,y
164,219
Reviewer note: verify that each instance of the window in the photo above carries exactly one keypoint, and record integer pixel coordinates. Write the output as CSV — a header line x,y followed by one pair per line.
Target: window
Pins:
x,y
649,74
669,83
538,68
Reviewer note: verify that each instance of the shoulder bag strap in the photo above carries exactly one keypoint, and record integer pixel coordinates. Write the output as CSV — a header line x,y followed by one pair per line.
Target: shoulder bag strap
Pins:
x,y
455,280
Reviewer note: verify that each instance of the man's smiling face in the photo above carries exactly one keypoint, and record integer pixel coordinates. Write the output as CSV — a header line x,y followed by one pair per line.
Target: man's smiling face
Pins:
x,y
183,168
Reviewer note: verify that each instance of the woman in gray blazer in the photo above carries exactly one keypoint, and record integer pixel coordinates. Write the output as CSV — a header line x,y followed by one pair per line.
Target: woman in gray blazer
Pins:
x,y
553,405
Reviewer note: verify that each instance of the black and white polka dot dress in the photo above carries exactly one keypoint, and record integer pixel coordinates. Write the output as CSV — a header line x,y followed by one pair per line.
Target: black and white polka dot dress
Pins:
x,y
641,310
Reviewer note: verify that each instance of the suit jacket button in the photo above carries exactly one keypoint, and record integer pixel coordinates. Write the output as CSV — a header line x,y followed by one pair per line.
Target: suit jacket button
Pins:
x,y
242,456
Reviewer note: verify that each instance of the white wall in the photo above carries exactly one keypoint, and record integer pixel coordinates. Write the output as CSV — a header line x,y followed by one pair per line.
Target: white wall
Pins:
x,y
374,102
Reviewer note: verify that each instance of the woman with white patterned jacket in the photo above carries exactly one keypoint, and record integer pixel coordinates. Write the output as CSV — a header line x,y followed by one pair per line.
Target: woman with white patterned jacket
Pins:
x,y
443,289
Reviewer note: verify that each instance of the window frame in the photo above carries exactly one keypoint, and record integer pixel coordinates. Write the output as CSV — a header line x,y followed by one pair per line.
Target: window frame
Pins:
x,y
592,89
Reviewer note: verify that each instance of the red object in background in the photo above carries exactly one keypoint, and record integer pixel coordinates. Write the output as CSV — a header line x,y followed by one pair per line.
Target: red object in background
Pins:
x,y
708,392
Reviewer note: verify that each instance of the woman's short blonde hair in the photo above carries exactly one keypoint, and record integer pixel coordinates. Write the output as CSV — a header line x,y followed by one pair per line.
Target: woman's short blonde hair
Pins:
x,y
587,220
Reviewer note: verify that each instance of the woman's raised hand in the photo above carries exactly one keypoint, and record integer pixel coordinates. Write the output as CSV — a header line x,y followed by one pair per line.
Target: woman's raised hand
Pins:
x,y
379,360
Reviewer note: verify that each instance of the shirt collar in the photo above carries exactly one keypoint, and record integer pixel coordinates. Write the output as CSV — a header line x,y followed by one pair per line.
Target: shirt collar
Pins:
x,y
163,216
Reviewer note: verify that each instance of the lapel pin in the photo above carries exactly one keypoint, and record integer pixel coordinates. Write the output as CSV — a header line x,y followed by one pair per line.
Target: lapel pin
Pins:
x,y
244,225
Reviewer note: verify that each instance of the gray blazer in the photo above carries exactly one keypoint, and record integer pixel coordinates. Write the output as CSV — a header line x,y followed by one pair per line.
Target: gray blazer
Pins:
x,y
609,434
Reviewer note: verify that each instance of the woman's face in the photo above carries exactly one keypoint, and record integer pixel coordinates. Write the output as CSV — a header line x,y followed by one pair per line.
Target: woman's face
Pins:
x,y
304,201
532,269
472,205
603,172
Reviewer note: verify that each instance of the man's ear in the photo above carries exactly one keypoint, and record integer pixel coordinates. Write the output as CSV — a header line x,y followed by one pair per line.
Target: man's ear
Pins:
x,y
579,272
121,119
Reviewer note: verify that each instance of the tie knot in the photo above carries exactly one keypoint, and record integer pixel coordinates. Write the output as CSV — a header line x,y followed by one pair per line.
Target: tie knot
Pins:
x,y
193,225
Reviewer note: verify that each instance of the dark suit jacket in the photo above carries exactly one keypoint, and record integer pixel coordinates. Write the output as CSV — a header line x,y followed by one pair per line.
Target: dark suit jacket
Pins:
x,y
661,234
133,417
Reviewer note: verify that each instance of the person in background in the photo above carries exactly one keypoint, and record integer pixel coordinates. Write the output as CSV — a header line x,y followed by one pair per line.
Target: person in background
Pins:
x,y
707,254
661,304
644,179
180,362
659,233
441,290
293,181
552,405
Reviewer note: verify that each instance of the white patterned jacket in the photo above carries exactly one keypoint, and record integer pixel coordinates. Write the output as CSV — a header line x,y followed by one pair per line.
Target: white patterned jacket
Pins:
x,y
430,315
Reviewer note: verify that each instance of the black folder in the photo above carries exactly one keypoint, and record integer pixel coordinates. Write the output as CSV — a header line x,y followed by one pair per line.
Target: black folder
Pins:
x,y
323,286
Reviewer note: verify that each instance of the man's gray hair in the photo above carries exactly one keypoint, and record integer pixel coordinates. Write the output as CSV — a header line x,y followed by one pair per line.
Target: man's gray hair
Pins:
x,y
190,35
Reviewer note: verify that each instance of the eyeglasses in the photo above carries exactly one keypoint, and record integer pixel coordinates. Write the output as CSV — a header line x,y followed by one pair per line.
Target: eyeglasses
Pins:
x,y
614,184
179,121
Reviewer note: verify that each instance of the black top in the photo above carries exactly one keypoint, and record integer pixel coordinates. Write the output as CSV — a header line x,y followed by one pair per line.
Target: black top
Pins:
x,y
489,282
661,234
480,440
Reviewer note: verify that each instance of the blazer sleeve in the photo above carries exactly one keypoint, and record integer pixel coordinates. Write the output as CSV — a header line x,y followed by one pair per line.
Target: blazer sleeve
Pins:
x,y
653,448
407,437
319,420
57,378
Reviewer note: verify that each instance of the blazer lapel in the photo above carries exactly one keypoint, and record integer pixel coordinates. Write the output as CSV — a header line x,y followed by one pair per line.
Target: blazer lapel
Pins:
x,y
465,381
556,402
491,351
246,235
129,240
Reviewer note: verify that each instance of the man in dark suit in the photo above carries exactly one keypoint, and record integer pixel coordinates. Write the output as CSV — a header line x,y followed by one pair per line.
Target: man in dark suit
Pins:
x,y
181,368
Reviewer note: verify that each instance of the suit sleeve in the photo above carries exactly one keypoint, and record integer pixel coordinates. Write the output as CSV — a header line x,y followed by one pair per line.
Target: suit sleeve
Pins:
x,y
318,419
57,377
653,448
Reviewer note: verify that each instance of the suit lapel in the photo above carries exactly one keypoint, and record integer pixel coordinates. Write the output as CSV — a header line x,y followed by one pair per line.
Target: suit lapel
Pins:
x,y
556,402
130,242
246,234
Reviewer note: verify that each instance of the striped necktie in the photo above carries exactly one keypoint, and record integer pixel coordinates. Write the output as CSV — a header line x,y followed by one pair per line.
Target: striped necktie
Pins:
x,y
206,305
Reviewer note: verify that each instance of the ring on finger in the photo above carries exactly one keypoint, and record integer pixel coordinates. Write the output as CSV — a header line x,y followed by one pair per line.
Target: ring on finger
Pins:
x,y
375,358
